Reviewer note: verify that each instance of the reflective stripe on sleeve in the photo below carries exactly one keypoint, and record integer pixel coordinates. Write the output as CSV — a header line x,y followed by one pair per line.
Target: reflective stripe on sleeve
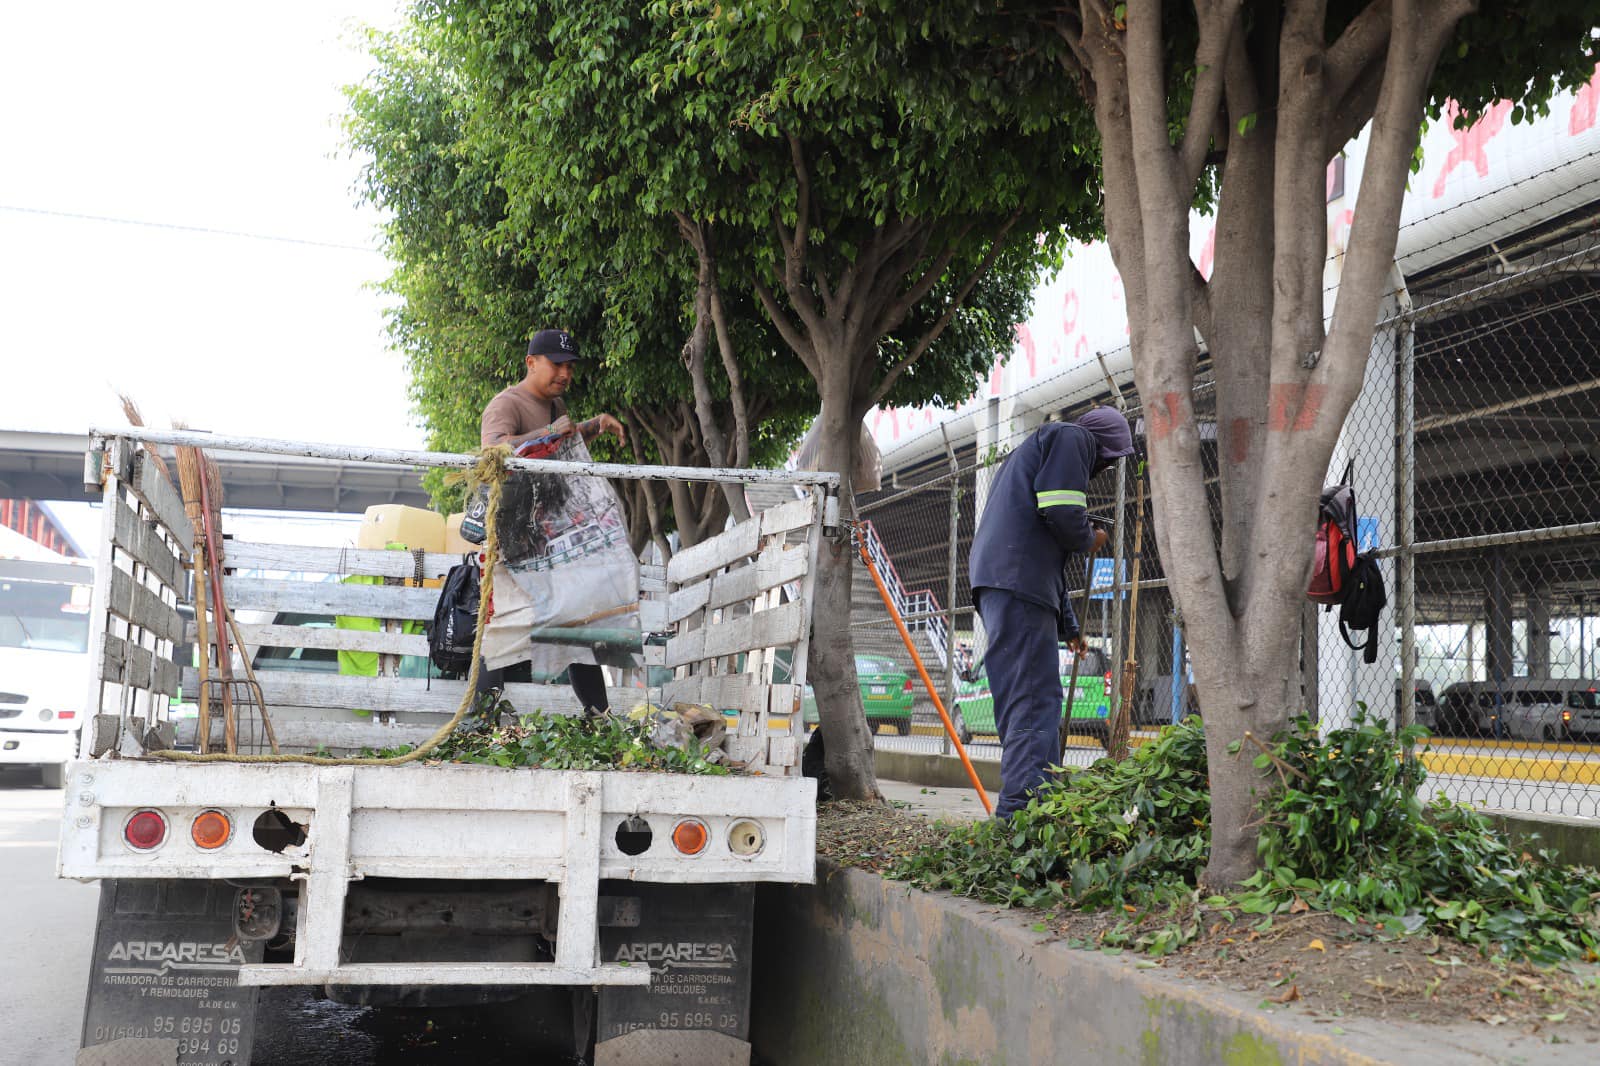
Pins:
x,y
1061,498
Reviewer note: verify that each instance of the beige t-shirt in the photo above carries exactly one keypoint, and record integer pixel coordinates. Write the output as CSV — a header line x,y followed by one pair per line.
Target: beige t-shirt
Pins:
x,y
515,412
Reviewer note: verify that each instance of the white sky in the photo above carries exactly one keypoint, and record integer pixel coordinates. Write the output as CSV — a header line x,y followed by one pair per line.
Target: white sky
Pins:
x,y
216,115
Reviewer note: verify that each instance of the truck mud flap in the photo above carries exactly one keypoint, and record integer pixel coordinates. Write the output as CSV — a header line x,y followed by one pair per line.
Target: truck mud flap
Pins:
x,y
697,941
163,980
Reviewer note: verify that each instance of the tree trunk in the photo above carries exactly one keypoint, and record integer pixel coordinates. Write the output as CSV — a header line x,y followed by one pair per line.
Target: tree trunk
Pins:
x,y
832,667
709,315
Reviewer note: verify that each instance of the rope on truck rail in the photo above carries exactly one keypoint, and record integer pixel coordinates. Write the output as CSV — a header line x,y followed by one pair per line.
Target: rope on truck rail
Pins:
x,y
490,470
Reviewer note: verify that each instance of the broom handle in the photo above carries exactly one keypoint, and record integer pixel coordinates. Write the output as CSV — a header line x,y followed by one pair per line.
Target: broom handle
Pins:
x,y
230,727
1130,665
1077,658
200,579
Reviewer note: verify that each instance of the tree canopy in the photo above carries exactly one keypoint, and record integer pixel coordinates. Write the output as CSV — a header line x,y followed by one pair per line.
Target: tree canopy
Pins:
x,y
891,238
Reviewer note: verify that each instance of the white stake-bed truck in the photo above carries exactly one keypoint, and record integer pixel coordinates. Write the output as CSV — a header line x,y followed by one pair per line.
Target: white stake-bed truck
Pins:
x,y
425,884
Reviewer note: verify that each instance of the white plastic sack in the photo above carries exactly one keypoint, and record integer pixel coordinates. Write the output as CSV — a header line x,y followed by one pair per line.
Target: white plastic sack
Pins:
x,y
565,562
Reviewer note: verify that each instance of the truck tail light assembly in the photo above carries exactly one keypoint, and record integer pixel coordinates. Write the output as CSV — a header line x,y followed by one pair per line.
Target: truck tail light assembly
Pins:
x,y
211,830
908,685
145,830
690,837
746,838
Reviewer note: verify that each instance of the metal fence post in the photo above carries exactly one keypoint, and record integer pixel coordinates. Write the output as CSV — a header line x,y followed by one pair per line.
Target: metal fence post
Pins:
x,y
1407,563
950,593
1119,588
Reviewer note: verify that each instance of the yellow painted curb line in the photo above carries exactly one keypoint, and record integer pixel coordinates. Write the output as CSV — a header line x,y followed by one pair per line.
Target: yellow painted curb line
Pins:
x,y
1513,767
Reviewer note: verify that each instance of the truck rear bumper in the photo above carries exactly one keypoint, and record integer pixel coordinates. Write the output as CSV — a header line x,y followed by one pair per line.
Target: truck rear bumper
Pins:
x,y
446,822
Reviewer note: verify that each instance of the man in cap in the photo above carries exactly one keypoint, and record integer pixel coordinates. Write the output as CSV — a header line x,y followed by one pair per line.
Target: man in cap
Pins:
x,y
1035,517
536,405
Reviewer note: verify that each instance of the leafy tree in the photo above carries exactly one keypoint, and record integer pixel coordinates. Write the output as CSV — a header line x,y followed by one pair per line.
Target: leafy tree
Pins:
x,y
1249,101
470,289
865,221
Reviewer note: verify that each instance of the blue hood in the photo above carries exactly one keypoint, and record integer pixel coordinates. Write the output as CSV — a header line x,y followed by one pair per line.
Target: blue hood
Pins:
x,y
1112,437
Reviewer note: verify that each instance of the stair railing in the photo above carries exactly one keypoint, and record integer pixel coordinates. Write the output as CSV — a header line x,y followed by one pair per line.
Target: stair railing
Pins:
x,y
920,608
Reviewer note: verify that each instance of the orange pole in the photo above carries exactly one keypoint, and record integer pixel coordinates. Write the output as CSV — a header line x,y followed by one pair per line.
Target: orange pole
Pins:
x,y
905,635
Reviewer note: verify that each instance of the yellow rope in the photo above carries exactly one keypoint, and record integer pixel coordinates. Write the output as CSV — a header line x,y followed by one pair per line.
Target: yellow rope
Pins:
x,y
491,469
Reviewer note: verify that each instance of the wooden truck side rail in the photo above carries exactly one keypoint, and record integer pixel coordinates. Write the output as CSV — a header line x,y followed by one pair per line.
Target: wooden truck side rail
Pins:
x,y
726,615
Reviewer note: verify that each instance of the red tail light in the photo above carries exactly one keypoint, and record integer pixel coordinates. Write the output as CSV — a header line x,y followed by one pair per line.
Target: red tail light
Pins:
x,y
690,836
145,830
66,716
1108,677
1566,716
908,685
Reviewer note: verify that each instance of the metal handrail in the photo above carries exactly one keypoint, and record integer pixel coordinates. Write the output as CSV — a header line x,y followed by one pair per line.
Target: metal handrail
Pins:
x,y
908,604
402,457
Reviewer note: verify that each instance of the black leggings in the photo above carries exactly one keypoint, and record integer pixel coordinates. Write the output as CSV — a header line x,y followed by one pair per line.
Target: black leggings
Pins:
x,y
588,682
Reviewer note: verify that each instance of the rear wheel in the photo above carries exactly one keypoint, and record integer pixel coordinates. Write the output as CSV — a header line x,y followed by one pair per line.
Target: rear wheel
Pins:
x,y
1550,734
903,727
963,734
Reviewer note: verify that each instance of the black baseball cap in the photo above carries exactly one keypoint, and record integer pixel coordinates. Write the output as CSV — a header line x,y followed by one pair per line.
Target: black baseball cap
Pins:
x,y
555,345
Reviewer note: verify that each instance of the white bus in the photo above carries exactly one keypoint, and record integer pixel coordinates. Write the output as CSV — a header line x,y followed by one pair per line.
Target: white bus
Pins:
x,y
44,655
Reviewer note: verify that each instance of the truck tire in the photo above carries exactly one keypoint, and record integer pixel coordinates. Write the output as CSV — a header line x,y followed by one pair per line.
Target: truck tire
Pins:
x,y
903,727
963,734
53,774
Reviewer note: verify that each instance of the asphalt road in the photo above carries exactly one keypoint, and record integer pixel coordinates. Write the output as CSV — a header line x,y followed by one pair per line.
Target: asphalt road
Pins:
x,y
49,932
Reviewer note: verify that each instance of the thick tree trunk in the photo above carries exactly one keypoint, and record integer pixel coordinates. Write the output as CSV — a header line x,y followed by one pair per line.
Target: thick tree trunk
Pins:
x,y
832,667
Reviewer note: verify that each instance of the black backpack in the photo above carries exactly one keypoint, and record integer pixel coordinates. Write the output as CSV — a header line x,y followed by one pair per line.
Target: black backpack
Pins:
x,y
453,630
1364,600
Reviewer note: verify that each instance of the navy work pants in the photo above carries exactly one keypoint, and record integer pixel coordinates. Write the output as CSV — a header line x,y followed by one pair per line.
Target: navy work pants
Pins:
x,y
1024,671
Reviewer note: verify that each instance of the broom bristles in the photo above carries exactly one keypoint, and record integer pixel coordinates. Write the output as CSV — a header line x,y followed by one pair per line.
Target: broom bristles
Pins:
x,y
130,410
196,468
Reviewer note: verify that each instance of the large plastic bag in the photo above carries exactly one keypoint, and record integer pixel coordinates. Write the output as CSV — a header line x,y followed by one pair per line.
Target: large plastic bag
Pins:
x,y
565,563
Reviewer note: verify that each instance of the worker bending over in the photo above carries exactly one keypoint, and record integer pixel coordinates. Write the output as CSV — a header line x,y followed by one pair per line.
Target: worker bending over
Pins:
x,y
1035,517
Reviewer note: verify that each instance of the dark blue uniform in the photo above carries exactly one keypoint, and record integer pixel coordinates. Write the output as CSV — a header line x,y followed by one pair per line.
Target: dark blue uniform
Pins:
x,y
1034,518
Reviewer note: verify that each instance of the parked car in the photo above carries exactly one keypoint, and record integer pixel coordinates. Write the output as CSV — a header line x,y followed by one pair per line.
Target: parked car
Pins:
x,y
1425,704
886,694
1090,711
1489,708
1538,714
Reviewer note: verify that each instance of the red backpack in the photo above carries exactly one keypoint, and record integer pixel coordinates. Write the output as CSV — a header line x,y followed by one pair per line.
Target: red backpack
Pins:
x,y
1336,545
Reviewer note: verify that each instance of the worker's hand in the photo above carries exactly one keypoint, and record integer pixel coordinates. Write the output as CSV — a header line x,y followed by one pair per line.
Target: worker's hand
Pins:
x,y
1101,539
1076,644
612,425
561,427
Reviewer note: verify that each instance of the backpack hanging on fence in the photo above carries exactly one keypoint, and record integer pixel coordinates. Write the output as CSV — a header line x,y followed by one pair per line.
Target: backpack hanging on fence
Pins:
x,y
1364,600
1336,544
455,619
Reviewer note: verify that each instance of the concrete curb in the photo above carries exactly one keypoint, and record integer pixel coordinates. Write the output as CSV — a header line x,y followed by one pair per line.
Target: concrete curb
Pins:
x,y
1574,840
933,771
856,969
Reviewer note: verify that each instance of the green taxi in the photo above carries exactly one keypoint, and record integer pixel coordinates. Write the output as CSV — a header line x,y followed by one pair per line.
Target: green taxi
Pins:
x,y
886,694
1091,705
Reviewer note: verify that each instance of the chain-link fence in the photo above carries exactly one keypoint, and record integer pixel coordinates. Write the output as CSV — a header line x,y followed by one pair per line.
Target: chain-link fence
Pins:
x,y
1474,457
